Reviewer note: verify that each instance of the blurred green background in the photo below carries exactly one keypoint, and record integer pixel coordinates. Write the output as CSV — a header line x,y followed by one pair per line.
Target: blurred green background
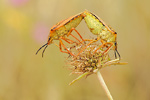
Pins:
x,y
24,27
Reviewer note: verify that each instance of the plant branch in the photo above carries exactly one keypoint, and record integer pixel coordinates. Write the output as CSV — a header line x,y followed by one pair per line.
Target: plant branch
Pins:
x,y
102,82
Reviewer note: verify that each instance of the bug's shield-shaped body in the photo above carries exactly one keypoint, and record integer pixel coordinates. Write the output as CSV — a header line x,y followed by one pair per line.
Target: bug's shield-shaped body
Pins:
x,y
60,30
99,28
63,27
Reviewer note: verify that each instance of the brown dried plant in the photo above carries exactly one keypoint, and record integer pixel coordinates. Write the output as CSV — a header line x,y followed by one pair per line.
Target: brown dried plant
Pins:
x,y
90,62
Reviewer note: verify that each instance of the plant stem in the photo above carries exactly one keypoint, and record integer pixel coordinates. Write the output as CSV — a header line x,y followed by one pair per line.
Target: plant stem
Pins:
x,y
102,82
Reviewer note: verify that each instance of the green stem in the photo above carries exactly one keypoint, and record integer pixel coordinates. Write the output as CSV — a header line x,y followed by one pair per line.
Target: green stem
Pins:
x,y
102,82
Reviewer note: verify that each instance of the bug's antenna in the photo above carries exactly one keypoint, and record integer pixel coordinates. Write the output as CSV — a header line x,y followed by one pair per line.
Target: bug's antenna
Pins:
x,y
116,52
41,48
44,51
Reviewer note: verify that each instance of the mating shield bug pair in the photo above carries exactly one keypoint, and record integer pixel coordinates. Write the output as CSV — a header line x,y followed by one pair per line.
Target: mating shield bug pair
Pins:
x,y
96,25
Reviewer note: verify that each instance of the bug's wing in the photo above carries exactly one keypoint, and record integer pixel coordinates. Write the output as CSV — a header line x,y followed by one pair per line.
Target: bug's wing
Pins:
x,y
57,25
107,26
63,22
100,20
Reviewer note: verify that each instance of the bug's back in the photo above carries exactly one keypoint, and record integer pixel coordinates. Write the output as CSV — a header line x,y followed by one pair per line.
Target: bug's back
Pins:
x,y
98,27
63,27
73,22
93,23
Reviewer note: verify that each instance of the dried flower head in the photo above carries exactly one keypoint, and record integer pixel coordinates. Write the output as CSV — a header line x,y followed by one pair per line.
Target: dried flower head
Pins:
x,y
89,61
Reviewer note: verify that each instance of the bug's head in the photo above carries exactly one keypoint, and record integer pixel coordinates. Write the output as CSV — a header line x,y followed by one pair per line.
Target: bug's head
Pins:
x,y
49,41
115,43
44,46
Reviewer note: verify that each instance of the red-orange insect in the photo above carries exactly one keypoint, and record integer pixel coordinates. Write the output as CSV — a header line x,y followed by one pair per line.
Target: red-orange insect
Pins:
x,y
63,29
96,26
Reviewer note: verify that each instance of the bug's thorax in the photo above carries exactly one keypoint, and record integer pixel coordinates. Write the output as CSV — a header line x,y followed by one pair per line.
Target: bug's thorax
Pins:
x,y
52,36
107,36
55,34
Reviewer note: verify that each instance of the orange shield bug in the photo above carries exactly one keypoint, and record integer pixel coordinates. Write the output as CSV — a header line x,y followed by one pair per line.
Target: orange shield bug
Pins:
x,y
98,27
63,29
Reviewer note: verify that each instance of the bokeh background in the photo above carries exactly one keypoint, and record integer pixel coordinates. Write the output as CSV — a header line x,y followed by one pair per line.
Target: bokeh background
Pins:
x,y
24,27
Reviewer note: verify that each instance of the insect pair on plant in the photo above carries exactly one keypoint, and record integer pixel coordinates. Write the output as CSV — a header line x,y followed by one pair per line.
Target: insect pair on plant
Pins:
x,y
97,26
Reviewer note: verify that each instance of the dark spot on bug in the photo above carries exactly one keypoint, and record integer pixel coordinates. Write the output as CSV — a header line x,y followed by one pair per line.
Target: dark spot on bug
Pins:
x,y
91,29
95,38
53,28
75,67
67,22
73,18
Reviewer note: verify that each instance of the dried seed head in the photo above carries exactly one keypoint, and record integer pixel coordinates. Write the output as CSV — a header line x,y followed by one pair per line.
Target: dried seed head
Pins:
x,y
88,60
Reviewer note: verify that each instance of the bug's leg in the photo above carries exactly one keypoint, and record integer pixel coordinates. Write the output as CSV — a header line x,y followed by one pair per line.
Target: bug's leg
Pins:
x,y
102,41
91,41
99,48
116,51
68,40
75,38
103,45
86,47
109,47
69,33
88,39
56,44
60,48
61,44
